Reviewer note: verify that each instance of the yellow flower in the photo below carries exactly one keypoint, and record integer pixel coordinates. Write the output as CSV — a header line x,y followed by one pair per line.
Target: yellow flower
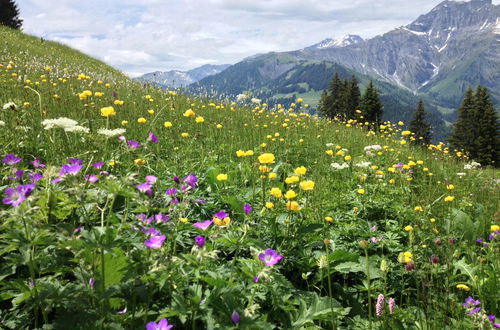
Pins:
x,y
118,102
463,287
340,153
266,158
264,169
418,208
432,220
494,228
184,220
219,126
240,153
124,122
292,179
189,113
392,181
328,219
167,124
249,153
405,133
276,192
450,187
400,123
405,257
293,206
290,194
151,111
272,175
222,177
142,120
347,158
185,135
329,152
112,163
269,205
361,191
139,161
300,170
408,228
108,111
199,119
307,185
449,198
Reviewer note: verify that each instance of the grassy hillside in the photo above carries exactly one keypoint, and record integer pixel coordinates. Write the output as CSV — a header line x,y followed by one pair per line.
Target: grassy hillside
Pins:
x,y
151,205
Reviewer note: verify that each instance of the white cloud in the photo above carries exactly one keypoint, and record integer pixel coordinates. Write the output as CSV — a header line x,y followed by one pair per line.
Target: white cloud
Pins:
x,y
139,36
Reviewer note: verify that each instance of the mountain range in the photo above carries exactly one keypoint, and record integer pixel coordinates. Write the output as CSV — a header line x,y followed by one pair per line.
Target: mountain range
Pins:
x,y
177,78
436,57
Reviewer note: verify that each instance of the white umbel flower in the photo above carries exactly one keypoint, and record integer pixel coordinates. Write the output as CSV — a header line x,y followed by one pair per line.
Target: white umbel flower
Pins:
x,y
111,132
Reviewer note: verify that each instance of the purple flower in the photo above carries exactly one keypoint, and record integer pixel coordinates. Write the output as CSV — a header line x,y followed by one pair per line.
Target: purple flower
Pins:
x,y
221,214
91,282
201,201
56,180
152,138
151,179
434,259
145,187
37,163
78,229
91,178
479,240
123,311
11,159
474,311
176,179
171,191
162,325
191,180
98,165
373,228
69,169
161,218
174,201
379,307
203,225
199,240
235,317
133,144
399,165
471,302
392,305
144,218
121,138
34,177
75,161
247,208
256,279
270,257
151,231
16,196
154,242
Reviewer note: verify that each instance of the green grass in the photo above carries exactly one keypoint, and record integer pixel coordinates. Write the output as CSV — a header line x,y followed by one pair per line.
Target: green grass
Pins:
x,y
330,276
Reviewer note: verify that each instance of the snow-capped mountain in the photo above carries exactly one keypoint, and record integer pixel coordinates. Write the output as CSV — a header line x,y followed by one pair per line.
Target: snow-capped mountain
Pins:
x,y
176,78
347,40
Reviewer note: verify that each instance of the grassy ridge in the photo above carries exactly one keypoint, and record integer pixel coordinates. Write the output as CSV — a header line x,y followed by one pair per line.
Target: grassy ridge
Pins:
x,y
82,241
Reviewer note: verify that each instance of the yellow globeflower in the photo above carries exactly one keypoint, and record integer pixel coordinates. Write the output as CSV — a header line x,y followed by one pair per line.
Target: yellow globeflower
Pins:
x,y
219,126
222,177
272,175
293,206
184,220
405,133
449,198
264,169
118,102
185,135
405,257
124,122
450,187
408,228
307,185
151,111
167,124
199,119
300,170
139,161
328,219
361,191
142,120
292,179
108,111
240,153
290,194
266,158
269,205
418,208
494,228
463,287
189,113
329,152
276,192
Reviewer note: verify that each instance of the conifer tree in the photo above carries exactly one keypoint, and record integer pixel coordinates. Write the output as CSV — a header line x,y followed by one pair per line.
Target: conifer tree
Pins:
x,y
462,136
486,146
419,126
353,96
371,106
9,14
333,101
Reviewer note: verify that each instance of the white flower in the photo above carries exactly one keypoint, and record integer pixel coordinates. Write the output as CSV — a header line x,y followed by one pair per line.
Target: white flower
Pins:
x,y
363,164
461,174
77,129
2,123
240,97
10,105
337,166
111,132
61,122
329,145
256,100
375,147
471,166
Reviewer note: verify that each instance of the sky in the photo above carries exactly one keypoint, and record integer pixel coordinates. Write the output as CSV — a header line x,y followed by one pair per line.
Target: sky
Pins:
x,y
140,36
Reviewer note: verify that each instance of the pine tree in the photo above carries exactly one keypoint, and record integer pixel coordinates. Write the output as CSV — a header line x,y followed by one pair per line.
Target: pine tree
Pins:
x,y
333,101
419,126
353,96
9,14
462,137
371,106
486,146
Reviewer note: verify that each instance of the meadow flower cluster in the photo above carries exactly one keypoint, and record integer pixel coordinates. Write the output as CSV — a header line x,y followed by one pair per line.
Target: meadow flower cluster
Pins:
x,y
125,206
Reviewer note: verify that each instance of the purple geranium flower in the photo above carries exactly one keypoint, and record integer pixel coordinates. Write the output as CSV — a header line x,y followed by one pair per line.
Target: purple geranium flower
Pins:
x,y
133,144
162,325
235,317
98,165
151,179
221,214
91,178
200,241
144,218
37,163
191,180
161,218
247,208
151,231
34,177
11,159
144,187
16,196
152,138
270,257
70,169
75,161
123,311
176,179
171,191
154,242
203,225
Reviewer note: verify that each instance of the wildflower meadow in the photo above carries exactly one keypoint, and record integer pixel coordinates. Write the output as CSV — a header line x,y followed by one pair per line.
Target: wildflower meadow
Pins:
x,y
129,207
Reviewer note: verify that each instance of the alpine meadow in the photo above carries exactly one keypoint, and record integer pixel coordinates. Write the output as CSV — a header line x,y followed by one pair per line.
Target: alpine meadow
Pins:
x,y
126,205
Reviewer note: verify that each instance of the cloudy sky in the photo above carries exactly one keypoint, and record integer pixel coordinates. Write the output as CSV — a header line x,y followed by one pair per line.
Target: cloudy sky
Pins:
x,y
139,36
